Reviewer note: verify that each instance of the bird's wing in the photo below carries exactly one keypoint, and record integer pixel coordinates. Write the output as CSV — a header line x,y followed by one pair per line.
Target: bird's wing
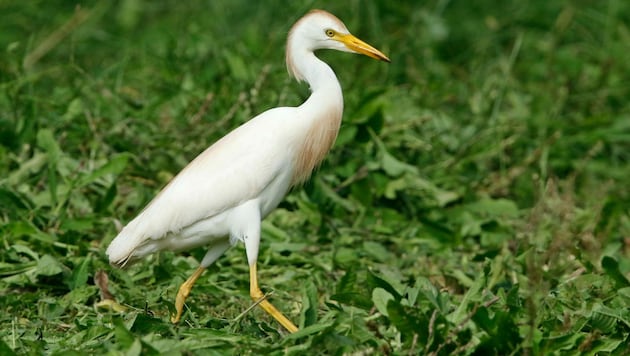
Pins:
x,y
235,169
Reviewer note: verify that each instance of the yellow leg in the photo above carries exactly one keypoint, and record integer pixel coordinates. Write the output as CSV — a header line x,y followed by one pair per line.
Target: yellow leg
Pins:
x,y
257,294
182,294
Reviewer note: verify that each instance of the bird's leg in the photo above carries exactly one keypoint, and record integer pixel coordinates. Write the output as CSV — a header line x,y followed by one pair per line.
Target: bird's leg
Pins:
x,y
184,291
257,294
250,212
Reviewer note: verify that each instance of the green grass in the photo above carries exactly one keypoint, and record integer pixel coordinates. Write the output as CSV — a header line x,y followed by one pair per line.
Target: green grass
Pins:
x,y
476,201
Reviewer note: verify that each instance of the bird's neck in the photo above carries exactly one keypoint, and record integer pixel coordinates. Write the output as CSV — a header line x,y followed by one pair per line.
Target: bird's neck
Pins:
x,y
322,113
314,71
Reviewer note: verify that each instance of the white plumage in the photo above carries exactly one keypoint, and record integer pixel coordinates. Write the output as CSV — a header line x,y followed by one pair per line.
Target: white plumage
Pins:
x,y
223,194
238,168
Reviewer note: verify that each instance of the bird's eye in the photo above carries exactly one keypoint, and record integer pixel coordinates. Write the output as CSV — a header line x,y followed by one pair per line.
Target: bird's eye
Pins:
x,y
330,33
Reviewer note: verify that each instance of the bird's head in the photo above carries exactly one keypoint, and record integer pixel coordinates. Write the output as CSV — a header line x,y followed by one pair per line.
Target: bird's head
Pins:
x,y
322,30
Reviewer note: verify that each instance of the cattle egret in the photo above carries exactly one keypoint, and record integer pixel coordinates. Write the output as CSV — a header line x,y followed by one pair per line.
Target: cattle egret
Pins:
x,y
223,194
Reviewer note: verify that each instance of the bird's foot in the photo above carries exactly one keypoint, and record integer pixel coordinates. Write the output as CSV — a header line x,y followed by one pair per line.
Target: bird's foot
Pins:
x,y
257,295
183,293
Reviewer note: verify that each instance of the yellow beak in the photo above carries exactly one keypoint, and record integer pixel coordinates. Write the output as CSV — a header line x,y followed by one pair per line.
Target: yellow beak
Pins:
x,y
358,46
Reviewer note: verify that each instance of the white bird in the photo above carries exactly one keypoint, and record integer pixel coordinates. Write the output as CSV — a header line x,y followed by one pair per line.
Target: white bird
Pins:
x,y
221,197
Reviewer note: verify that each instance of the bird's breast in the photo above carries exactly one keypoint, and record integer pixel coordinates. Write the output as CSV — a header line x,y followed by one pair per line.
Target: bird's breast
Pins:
x,y
319,136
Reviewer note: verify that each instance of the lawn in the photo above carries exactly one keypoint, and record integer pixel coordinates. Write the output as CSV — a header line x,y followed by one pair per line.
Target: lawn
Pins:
x,y
476,201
